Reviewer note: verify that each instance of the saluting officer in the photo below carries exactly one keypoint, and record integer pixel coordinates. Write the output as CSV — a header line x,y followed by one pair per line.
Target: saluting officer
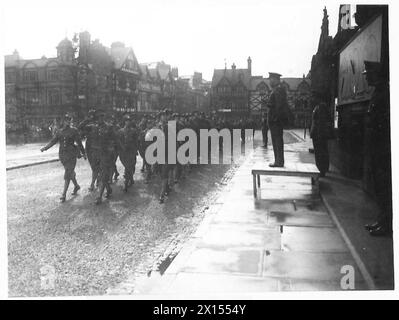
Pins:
x,y
70,146
277,118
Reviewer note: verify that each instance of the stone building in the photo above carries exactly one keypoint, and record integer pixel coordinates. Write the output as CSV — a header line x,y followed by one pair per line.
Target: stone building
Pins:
x,y
95,77
194,91
125,78
337,80
149,90
164,76
39,90
230,89
242,93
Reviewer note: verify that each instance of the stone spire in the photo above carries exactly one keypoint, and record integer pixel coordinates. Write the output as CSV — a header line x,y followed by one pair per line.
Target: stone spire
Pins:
x,y
324,30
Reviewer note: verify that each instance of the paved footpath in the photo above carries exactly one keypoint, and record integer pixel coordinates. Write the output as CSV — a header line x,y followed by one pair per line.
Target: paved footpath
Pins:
x,y
18,156
283,241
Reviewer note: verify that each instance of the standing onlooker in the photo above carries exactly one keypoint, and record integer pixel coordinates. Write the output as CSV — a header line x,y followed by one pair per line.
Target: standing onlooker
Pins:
x,y
320,132
265,129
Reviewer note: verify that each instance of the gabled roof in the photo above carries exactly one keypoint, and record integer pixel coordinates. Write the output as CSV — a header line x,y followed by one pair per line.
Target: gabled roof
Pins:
x,y
233,76
293,83
153,73
256,80
119,55
159,69
164,71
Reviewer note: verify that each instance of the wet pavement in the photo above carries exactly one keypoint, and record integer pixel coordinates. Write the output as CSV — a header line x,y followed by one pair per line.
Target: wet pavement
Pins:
x,y
28,154
283,241
90,248
210,236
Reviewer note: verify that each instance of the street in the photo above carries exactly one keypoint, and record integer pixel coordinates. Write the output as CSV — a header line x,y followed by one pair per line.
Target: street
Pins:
x,y
92,248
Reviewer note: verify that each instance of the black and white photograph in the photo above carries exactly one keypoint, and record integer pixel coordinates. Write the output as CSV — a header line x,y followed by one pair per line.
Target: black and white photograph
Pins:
x,y
197,149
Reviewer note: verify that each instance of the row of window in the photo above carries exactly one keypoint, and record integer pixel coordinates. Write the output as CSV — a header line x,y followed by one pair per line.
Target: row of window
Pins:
x,y
228,89
32,75
54,97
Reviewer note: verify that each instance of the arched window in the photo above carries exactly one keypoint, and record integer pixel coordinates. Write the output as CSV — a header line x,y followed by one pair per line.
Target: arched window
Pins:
x,y
30,75
52,75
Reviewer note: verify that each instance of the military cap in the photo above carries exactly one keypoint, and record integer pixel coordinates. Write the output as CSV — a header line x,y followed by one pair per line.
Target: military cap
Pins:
x,y
68,116
274,75
371,66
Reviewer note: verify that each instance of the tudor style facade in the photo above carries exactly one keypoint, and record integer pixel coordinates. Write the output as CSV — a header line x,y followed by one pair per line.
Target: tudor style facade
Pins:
x,y
238,91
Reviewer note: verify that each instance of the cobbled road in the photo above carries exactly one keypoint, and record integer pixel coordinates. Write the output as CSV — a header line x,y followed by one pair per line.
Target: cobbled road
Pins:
x,y
91,248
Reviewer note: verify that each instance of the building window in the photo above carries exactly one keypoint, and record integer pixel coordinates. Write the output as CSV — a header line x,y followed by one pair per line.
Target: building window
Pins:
x,y
54,97
52,75
30,75
9,77
68,96
31,97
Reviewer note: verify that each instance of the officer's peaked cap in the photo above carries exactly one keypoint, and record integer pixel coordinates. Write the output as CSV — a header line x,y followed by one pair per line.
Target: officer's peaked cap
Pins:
x,y
274,75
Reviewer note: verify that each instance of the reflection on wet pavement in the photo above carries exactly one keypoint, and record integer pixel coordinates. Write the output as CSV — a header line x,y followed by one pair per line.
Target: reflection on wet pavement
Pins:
x,y
283,241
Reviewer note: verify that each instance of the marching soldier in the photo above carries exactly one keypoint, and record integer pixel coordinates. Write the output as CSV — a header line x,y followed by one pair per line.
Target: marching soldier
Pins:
x,y
165,169
108,147
277,118
70,146
114,174
89,129
127,150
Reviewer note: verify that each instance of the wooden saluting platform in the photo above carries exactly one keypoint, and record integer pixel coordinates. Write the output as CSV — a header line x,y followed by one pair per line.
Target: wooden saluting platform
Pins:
x,y
290,169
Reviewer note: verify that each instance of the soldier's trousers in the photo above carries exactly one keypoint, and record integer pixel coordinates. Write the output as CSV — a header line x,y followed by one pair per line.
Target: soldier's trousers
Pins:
x,y
322,158
128,160
276,131
93,156
264,135
106,169
165,171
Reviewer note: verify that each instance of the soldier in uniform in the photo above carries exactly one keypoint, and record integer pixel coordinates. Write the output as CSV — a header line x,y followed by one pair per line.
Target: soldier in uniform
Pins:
x,y
277,118
127,150
108,147
70,146
265,129
89,129
380,145
164,169
114,174
321,130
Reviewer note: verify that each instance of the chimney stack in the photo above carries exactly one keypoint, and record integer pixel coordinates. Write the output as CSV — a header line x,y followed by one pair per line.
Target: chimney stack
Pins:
x,y
249,65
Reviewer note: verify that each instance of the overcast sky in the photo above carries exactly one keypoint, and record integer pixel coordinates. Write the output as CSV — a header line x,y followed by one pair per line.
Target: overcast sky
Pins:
x,y
280,36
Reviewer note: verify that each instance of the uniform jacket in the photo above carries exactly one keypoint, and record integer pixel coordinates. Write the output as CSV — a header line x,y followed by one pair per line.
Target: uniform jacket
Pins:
x,y
70,143
278,106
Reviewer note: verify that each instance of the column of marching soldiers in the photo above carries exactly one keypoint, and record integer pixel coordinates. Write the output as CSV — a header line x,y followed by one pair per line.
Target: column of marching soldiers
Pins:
x,y
107,139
